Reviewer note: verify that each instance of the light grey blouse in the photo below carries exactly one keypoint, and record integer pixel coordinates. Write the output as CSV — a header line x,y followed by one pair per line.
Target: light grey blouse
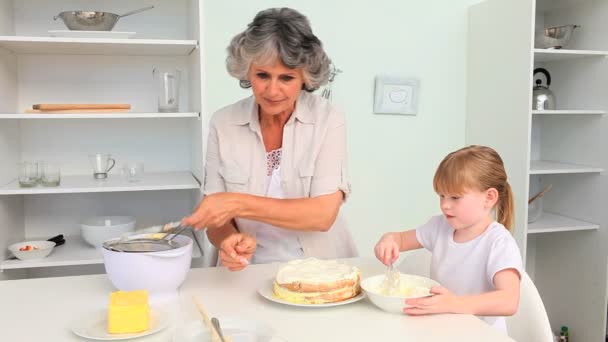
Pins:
x,y
313,163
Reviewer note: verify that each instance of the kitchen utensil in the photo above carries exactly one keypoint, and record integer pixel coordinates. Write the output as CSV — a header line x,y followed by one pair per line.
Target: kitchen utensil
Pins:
x,y
555,37
102,164
50,174
58,240
215,333
216,325
167,86
391,282
158,272
542,96
39,249
133,171
69,106
237,329
412,286
540,193
28,174
96,230
93,20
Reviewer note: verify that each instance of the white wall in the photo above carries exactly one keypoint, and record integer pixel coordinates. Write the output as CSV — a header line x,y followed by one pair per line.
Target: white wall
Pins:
x,y
392,158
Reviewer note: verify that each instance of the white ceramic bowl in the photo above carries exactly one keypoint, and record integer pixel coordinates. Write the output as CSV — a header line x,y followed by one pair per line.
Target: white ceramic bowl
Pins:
x,y
44,248
412,286
158,272
96,230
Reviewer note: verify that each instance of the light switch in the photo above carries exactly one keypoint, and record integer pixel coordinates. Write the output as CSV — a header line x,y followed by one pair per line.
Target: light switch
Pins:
x,y
395,95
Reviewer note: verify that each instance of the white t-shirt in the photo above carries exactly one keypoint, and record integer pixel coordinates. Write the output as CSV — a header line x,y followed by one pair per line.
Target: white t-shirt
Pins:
x,y
468,268
274,243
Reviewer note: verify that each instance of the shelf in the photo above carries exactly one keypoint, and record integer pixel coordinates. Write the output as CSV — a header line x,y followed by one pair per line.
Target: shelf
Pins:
x,y
545,55
86,184
75,251
544,167
95,46
548,223
99,116
569,112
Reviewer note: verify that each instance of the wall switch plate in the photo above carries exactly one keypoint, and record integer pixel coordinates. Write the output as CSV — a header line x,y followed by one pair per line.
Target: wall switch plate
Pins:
x,y
396,95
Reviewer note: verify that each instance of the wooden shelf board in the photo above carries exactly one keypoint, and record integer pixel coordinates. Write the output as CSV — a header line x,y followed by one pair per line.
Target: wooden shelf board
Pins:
x,y
114,183
548,223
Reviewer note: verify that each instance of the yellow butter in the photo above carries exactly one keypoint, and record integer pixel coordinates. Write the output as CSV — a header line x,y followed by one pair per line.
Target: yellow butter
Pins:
x,y
128,312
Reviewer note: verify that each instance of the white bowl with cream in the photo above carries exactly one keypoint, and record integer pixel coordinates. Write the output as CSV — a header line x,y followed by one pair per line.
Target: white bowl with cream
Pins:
x,y
411,286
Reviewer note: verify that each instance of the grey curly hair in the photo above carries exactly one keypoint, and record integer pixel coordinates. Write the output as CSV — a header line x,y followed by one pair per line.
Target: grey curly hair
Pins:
x,y
279,33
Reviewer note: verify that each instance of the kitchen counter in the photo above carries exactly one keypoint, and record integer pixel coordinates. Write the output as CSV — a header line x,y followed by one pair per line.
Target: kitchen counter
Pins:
x,y
44,309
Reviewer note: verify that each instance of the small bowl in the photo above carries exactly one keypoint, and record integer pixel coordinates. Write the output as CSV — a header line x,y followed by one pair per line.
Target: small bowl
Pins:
x,y
96,230
412,286
42,249
555,37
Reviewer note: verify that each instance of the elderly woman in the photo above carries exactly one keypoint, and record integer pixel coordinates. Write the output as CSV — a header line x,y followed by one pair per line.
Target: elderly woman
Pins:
x,y
276,162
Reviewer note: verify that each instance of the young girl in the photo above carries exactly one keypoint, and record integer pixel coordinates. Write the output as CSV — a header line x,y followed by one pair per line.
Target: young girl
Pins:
x,y
475,258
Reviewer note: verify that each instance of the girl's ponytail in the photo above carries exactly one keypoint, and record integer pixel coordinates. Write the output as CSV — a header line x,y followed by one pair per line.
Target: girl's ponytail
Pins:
x,y
504,207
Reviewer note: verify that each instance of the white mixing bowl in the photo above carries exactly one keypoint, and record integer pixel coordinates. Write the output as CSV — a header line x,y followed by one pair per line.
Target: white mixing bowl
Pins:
x,y
158,272
96,230
412,286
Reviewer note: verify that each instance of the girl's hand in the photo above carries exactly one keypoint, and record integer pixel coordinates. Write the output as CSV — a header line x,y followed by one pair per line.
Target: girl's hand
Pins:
x,y
236,251
387,248
441,301
214,210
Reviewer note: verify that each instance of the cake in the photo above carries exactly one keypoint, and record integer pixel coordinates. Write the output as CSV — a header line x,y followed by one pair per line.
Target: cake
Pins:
x,y
128,312
314,281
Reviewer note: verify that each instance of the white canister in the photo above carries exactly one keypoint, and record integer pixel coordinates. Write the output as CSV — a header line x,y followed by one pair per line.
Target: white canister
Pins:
x,y
161,273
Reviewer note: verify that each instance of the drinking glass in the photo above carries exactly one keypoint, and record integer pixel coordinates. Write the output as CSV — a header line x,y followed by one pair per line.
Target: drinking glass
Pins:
x,y
133,171
28,174
50,174
167,82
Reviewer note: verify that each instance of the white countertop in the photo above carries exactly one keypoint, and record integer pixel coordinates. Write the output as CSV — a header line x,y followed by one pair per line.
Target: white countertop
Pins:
x,y
44,309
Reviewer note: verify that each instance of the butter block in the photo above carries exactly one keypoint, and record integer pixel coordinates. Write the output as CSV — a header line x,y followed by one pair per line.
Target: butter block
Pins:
x,y
128,312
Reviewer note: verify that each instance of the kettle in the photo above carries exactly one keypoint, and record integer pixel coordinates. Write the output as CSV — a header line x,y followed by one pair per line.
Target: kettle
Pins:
x,y
542,96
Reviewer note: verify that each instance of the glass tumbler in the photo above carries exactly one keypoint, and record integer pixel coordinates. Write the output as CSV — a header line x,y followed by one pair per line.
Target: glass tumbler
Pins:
x,y
133,171
28,174
167,82
50,174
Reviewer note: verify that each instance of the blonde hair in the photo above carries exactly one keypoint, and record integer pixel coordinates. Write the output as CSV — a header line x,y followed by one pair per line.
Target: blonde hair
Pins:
x,y
476,168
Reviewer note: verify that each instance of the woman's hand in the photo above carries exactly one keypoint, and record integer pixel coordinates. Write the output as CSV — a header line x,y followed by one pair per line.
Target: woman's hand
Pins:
x,y
236,250
213,211
441,301
387,248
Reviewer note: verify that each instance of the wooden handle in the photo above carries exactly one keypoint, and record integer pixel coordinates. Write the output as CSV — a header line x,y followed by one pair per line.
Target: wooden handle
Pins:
x,y
215,337
67,106
540,194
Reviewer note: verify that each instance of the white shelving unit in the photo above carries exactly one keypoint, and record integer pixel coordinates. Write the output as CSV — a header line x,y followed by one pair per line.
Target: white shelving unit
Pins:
x,y
563,147
86,184
74,252
30,116
544,167
94,46
36,68
549,223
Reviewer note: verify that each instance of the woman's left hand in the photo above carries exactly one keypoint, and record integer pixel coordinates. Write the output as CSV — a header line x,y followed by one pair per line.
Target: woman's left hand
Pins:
x,y
441,301
213,211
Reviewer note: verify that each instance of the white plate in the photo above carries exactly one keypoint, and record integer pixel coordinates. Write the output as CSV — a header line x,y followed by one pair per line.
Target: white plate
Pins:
x,y
266,292
91,34
95,326
239,330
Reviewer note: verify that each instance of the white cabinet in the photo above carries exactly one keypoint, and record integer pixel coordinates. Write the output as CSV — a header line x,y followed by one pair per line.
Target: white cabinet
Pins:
x,y
37,68
565,249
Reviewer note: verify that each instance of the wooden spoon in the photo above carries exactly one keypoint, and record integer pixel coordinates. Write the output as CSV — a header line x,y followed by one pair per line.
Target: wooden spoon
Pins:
x,y
541,193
